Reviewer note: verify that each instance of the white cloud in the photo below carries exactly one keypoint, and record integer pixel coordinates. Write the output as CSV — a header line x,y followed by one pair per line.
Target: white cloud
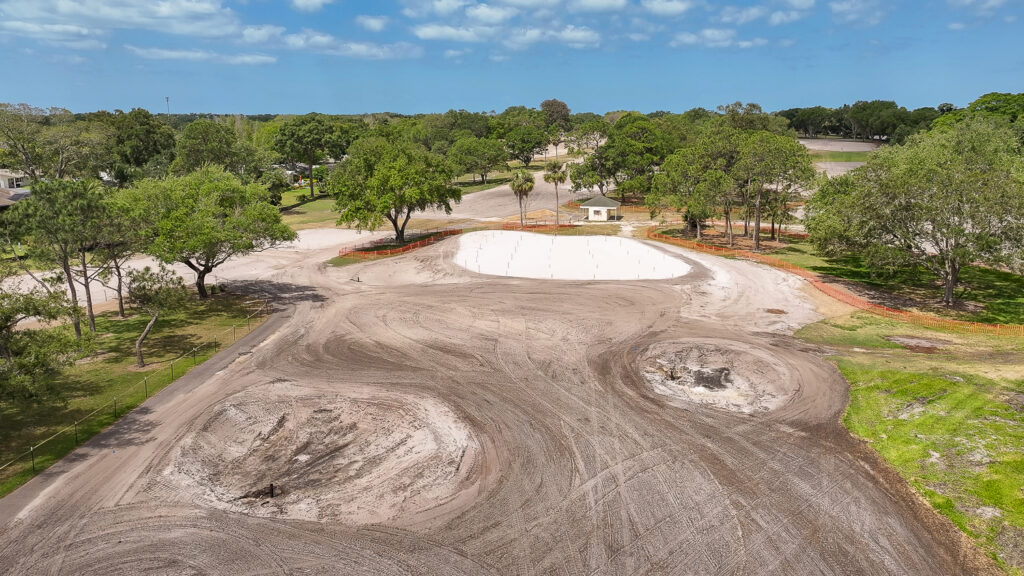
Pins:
x,y
577,37
740,16
596,5
523,38
715,38
452,33
66,35
490,14
324,43
310,5
667,7
199,56
983,7
422,8
373,23
710,37
210,18
864,12
785,17
261,34
801,4
956,26
456,54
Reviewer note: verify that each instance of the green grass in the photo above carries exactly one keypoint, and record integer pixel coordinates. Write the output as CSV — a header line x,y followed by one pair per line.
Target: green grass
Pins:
x,y
315,214
998,296
833,156
92,383
951,423
585,230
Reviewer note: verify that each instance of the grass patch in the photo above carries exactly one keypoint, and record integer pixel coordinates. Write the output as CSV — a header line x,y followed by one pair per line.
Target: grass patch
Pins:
x,y
93,382
995,296
315,214
584,230
836,156
951,423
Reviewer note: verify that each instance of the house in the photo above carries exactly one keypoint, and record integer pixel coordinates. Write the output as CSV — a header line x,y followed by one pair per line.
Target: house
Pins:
x,y
601,209
9,196
11,179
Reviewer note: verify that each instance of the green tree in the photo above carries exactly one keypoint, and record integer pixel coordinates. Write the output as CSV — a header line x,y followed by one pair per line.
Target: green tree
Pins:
x,y
382,180
633,151
59,222
555,173
478,156
205,142
139,140
121,234
30,359
522,184
946,199
308,139
525,142
204,219
771,164
556,114
154,292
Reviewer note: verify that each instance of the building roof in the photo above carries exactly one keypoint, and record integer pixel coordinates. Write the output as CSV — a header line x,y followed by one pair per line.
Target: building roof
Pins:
x,y
9,196
600,202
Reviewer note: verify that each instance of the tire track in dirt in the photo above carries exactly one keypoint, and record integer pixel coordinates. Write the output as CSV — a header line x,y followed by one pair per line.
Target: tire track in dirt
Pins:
x,y
583,468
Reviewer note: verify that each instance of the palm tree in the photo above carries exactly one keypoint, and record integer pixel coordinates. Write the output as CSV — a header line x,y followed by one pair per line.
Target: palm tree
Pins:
x,y
554,173
522,185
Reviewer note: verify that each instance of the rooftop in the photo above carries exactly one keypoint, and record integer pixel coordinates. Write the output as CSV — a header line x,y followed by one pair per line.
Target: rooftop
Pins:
x,y
601,202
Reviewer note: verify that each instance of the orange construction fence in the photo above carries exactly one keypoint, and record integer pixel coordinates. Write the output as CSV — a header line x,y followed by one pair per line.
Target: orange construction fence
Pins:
x,y
366,251
844,295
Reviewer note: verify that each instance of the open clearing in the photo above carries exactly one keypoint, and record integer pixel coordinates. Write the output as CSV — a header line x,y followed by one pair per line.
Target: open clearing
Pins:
x,y
432,420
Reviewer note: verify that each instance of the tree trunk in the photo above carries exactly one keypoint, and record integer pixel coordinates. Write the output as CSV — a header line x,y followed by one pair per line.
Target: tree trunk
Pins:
x,y
400,231
952,278
697,222
120,289
138,343
75,319
728,225
773,226
757,222
556,203
312,191
201,284
88,293
522,216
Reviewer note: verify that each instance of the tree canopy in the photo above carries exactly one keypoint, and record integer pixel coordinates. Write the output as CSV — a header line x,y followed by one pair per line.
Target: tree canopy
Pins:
x,y
946,199
206,218
384,180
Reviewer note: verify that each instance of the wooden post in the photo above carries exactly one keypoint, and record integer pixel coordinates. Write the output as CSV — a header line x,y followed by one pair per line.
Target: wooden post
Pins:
x,y
32,451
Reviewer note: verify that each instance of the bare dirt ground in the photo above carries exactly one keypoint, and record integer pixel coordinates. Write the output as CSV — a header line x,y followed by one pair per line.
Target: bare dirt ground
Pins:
x,y
834,145
430,420
833,169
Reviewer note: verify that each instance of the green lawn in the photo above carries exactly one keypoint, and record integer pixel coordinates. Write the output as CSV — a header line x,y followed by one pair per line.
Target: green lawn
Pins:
x,y
832,156
315,214
951,421
94,382
995,296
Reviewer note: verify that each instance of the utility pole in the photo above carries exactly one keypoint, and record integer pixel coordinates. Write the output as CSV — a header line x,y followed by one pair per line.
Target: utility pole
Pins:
x,y
168,99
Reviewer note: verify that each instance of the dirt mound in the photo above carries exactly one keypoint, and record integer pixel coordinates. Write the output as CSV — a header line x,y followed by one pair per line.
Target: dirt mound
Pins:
x,y
329,457
741,379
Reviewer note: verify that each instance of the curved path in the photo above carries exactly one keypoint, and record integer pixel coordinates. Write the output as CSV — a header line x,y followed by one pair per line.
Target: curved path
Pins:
x,y
572,464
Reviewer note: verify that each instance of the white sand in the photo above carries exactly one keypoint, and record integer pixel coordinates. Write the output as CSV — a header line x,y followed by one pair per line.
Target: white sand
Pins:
x,y
526,255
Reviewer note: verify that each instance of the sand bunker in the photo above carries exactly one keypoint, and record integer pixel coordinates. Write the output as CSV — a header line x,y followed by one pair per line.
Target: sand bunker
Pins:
x,y
330,457
526,255
741,379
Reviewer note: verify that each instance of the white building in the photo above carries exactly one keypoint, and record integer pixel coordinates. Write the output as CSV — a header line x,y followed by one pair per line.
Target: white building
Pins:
x,y
11,179
601,209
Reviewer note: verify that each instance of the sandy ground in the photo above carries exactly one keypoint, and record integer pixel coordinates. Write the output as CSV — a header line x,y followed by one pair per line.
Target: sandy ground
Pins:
x,y
430,420
833,169
527,255
833,145
498,203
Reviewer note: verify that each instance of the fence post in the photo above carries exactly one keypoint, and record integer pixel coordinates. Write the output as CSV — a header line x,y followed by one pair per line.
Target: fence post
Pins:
x,y
115,407
172,369
145,385
233,337
193,356
32,450
76,432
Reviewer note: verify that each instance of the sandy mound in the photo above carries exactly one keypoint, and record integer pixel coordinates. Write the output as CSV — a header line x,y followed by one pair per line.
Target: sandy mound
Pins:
x,y
330,457
741,379
525,255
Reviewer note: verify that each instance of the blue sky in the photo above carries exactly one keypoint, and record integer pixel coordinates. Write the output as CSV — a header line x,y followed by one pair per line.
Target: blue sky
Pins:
x,y
342,56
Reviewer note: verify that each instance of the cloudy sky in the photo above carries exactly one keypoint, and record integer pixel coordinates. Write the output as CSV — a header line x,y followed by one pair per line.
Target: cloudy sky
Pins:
x,y
343,56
